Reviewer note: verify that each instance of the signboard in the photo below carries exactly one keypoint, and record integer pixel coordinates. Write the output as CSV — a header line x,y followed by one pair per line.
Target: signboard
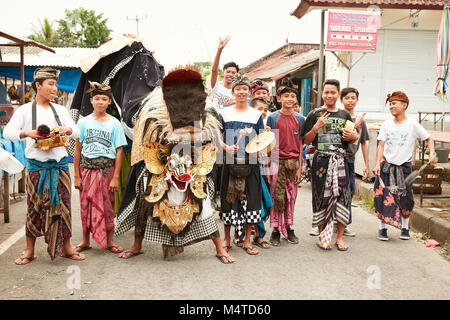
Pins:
x,y
352,30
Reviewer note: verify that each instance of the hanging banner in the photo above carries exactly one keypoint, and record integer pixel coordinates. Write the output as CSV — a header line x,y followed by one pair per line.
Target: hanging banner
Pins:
x,y
352,30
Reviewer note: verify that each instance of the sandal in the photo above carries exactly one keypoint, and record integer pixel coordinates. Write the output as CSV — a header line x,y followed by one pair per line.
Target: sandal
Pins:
x,y
133,254
220,256
114,249
238,242
250,250
341,246
319,244
24,258
82,248
71,255
263,244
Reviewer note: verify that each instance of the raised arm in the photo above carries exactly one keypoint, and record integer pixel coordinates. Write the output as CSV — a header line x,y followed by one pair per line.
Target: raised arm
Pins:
x,y
215,66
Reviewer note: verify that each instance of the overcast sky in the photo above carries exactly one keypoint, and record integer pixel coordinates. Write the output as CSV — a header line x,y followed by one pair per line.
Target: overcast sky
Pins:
x,y
184,31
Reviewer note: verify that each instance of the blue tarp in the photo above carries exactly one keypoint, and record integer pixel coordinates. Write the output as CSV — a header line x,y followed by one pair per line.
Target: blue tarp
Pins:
x,y
68,78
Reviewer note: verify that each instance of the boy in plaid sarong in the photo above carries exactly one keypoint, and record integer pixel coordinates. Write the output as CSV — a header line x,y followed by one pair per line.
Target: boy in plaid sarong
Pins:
x,y
324,128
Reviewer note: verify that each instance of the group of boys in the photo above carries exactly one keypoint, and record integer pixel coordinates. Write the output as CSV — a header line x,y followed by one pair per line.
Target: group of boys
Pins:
x,y
245,200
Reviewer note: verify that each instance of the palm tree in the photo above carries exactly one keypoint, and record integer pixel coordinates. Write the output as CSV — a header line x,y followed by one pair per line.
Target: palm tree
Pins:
x,y
45,34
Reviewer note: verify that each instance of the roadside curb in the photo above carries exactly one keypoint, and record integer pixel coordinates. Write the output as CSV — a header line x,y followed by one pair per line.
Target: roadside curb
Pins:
x,y
421,220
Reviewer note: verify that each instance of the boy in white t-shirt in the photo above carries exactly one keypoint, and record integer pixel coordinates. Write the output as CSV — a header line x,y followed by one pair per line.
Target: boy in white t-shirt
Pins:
x,y
221,91
393,163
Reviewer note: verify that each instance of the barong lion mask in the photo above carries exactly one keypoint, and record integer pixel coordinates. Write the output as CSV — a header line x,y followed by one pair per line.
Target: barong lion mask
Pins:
x,y
177,129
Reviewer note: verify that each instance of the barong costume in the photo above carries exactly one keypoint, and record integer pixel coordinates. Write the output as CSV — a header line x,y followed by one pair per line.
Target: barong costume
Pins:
x,y
241,191
48,181
166,194
100,141
331,197
283,167
398,202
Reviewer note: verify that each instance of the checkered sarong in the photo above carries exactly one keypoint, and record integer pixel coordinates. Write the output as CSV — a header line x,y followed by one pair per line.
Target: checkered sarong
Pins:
x,y
240,219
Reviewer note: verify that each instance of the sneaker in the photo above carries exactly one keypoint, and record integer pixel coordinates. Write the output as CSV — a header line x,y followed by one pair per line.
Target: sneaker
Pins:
x,y
382,235
275,238
349,233
314,232
292,238
404,235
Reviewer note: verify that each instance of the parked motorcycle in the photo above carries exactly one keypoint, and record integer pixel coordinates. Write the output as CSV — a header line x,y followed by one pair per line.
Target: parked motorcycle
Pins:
x,y
308,154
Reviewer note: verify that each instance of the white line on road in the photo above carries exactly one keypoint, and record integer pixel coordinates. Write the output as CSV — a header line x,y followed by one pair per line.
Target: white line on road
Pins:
x,y
12,240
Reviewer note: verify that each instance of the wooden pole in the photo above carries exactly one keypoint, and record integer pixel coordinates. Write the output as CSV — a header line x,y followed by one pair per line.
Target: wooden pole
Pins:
x,y
22,74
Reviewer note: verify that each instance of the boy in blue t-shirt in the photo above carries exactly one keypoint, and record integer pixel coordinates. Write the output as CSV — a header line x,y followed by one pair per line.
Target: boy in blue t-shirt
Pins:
x,y
97,162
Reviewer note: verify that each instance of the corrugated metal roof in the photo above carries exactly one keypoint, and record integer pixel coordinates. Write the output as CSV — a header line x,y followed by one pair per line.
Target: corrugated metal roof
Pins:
x,y
290,66
305,5
34,56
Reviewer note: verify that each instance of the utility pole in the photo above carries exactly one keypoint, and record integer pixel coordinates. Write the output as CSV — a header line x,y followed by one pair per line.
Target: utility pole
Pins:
x,y
137,23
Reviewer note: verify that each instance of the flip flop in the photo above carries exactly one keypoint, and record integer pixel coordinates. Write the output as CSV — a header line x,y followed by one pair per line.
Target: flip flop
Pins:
x,y
248,251
70,255
83,248
341,246
220,256
23,258
261,244
323,248
133,254
114,251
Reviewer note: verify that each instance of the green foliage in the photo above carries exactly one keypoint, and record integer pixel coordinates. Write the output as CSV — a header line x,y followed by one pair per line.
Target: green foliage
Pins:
x,y
45,34
369,202
205,68
446,249
82,28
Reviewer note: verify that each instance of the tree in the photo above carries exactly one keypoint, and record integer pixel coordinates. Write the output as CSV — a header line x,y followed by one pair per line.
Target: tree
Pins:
x,y
205,68
82,28
45,34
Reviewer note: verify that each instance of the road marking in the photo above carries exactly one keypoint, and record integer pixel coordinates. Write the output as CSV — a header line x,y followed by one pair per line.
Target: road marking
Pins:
x,y
11,240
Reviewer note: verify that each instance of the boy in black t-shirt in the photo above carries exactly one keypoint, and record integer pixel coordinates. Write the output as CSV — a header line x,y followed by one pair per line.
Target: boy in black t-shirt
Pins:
x,y
325,129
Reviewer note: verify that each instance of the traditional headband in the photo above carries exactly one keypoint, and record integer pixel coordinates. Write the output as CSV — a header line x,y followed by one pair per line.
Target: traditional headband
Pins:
x,y
45,73
97,88
259,85
397,96
240,80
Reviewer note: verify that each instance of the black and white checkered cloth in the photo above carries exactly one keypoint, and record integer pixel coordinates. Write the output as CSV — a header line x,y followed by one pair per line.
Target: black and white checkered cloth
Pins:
x,y
198,229
126,218
238,220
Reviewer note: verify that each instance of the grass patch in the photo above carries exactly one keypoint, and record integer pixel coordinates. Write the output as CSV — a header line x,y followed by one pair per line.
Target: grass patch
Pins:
x,y
446,249
369,202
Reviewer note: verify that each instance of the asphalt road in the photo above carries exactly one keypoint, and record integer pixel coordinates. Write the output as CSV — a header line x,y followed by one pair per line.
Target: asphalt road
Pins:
x,y
371,269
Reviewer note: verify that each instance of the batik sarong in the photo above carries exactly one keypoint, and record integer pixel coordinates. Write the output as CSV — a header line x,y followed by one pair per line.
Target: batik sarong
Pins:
x,y
282,215
331,192
48,199
97,202
392,205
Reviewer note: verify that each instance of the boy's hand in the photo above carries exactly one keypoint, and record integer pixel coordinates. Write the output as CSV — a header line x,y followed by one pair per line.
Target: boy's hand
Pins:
x,y
349,135
376,170
230,101
321,121
32,134
114,185
365,173
78,184
231,149
223,43
432,159
298,175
